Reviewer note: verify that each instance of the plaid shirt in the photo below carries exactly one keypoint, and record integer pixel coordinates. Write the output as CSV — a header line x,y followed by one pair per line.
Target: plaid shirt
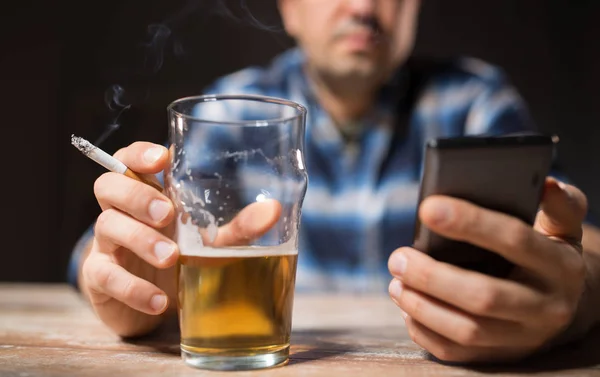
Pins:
x,y
364,177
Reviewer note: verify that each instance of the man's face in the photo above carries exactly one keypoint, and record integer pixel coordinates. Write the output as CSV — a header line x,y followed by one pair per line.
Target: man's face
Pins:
x,y
363,39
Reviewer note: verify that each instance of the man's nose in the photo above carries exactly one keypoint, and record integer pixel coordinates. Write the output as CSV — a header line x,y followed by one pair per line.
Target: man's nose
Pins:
x,y
362,7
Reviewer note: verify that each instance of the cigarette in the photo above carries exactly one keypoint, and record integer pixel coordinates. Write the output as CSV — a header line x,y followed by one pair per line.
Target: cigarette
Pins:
x,y
108,161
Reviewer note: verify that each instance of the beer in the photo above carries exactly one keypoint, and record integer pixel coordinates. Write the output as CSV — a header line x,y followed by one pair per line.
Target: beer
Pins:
x,y
236,302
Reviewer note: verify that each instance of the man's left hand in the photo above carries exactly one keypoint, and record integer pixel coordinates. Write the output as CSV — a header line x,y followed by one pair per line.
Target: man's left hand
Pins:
x,y
465,316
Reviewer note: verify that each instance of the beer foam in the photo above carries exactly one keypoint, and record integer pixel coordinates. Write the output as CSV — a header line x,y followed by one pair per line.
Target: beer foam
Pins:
x,y
189,240
187,235
239,251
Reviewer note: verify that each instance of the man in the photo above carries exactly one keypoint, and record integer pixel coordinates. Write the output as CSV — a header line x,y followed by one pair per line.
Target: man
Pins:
x,y
370,109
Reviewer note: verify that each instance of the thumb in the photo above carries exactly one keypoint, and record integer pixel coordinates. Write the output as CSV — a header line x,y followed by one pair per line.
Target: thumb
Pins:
x,y
249,224
563,209
144,157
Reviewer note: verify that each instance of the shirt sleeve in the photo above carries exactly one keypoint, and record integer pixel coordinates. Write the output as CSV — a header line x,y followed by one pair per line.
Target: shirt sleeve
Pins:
x,y
76,253
498,109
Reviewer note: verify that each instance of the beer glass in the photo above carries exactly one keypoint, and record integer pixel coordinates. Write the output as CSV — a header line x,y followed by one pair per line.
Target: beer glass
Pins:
x,y
237,179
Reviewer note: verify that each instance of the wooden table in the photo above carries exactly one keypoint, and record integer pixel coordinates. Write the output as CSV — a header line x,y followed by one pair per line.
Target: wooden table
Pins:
x,y
47,330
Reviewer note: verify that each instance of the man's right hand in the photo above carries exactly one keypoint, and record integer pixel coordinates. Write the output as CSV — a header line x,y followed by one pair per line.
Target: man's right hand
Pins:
x,y
129,273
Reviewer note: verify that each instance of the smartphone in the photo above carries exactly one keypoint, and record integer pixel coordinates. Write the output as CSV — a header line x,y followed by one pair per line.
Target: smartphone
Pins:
x,y
501,173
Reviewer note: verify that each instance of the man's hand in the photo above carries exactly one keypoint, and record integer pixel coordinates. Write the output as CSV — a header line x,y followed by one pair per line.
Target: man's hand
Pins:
x,y
464,316
129,272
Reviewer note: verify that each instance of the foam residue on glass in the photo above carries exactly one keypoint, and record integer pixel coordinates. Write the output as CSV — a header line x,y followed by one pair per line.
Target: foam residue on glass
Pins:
x,y
201,210
195,224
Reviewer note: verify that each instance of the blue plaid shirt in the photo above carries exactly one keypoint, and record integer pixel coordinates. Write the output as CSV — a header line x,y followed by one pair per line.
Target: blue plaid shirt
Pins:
x,y
364,177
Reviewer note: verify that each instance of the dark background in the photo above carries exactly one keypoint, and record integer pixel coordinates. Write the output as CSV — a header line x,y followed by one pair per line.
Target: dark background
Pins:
x,y
59,58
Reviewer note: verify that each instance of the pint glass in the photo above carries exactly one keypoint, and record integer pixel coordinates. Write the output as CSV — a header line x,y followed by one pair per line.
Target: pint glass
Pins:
x,y
237,179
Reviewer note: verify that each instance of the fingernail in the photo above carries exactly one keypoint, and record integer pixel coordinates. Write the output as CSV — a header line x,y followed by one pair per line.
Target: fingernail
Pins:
x,y
564,188
398,264
438,211
159,209
153,154
158,302
163,250
395,288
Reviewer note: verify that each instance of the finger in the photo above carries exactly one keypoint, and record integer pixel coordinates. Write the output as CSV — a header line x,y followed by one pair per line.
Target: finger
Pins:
x,y
448,351
143,157
141,201
112,280
506,235
440,347
469,291
563,210
457,326
249,224
114,228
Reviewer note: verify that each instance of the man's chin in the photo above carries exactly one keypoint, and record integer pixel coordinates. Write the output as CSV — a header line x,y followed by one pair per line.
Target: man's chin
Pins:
x,y
358,71
358,63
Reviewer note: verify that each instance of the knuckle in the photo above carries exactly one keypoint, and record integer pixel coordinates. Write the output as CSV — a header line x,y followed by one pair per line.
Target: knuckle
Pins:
x,y
415,304
423,279
128,291
103,222
102,274
486,300
518,235
415,333
452,221
239,229
575,267
100,185
412,332
471,220
464,218
138,197
105,278
133,191
120,153
138,145
87,270
561,313
469,334
442,350
135,235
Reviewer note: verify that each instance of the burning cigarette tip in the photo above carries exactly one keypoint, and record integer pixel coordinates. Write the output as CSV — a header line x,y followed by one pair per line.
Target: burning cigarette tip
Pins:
x,y
83,145
109,162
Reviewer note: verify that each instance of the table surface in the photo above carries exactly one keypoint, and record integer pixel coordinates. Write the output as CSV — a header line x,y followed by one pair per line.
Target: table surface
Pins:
x,y
48,330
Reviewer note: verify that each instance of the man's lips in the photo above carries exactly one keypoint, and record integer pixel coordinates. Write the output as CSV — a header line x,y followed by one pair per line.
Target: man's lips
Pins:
x,y
360,40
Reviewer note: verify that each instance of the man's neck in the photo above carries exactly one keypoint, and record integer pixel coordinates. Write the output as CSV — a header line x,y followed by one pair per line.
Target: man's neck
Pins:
x,y
344,101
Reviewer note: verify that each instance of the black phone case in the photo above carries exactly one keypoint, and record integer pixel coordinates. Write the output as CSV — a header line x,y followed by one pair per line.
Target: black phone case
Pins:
x,y
505,174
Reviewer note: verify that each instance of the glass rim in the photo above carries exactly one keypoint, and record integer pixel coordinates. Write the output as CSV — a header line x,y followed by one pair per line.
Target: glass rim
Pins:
x,y
251,97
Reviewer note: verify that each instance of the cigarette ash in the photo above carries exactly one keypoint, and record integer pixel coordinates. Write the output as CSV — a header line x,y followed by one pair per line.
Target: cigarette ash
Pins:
x,y
83,145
